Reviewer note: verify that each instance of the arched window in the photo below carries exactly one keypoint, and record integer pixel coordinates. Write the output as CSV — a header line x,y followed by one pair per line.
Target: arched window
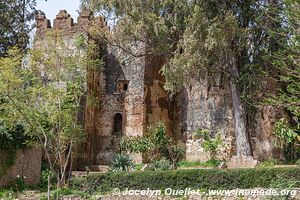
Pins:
x,y
118,120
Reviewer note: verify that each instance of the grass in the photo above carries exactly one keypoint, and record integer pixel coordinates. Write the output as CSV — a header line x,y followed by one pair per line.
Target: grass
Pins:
x,y
209,163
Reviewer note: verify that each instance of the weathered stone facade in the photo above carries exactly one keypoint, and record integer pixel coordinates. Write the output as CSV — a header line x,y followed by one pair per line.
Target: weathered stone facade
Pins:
x,y
27,165
131,96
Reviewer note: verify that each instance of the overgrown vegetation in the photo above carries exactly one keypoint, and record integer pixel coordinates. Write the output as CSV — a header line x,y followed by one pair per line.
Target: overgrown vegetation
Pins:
x,y
210,144
122,162
44,95
155,144
195,179
209,163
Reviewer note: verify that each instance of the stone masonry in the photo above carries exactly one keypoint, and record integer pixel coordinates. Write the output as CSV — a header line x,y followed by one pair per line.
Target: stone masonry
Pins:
x,y
131,97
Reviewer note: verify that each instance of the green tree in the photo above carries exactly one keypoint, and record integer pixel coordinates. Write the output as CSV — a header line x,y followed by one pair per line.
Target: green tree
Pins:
x,y
285,59
45,96
216,36
15,25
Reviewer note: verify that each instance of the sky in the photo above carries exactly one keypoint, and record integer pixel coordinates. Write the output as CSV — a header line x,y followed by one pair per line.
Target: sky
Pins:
x,y
52,7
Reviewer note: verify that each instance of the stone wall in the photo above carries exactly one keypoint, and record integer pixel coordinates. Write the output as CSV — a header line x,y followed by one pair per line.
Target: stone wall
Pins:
x,y
206,104
132,88
27,165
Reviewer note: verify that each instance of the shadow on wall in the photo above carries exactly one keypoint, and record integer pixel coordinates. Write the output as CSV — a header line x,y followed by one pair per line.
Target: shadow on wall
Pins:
x,y
114,74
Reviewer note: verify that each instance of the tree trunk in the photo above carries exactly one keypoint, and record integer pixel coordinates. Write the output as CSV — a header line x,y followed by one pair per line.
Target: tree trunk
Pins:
x,y
242,141
49,188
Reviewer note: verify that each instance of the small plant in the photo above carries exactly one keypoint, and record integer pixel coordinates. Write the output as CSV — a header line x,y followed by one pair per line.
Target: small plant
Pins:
x,y
162,165
122,162
269,163
7,194
175,153
298,162
138,167
210,144
155,144
18,184
185,163
209,163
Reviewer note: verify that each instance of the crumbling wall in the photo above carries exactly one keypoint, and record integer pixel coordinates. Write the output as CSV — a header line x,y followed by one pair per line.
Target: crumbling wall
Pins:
x,y
159,107
132,87
206,104
27,164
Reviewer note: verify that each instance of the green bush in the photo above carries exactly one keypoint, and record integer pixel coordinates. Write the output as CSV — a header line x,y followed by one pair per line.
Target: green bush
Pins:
x,y
44,178
209,163
194,179
210,144
162,165
268,163
298,162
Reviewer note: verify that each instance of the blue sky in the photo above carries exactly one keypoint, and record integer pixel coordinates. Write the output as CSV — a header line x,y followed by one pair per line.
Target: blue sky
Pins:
x,y
52,7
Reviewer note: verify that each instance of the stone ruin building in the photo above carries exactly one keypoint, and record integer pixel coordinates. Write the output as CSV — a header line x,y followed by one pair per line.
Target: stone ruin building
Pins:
x,y
132,97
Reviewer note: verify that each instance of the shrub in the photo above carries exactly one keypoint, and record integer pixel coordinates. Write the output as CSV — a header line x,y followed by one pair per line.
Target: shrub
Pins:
x,y
122,162
18,184
209,163
44,178
162,165
194,179
175,153
210,144
155,144
268,163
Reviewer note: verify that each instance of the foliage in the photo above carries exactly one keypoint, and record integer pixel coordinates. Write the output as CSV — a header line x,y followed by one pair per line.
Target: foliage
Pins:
x,y
136,144
139,167
44,96
185,163
7,160
162,164
288,138
13,138
7,194
44,178
209,163
156,143
18,184
269,163
122,162
298,162
175,154
210,144
285,59
207,37
284,132
15,25
66,192
194,179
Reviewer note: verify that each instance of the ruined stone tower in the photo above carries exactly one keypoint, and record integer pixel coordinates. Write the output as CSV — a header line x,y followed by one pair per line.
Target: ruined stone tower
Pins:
x,y
131,96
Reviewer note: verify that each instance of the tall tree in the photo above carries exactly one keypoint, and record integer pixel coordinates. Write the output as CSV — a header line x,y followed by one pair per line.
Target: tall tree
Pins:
x,y
15,24
191,35
45,96
285,59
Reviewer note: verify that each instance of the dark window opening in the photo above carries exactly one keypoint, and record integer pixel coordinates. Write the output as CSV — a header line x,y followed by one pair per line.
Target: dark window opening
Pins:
x,y
125,87
118,120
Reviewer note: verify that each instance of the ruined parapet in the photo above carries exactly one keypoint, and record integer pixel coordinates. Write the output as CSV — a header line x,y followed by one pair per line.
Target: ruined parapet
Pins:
x,y
63,20
42,22
65,23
